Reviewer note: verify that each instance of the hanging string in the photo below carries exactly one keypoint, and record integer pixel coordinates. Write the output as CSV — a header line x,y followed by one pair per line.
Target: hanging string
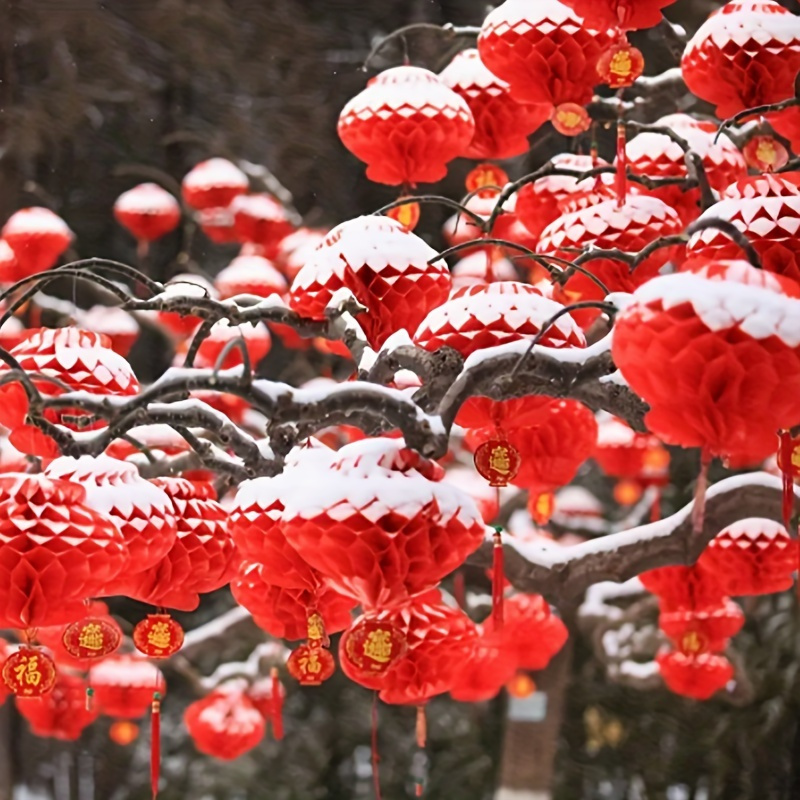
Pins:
x,y
376,775
621,186
276,703
155,743
498,579
422,727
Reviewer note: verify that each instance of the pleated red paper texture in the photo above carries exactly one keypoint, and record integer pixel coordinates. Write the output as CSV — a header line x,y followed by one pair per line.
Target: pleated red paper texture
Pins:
x,y
147,211
627,15
709,628
124,686
225,724
61,713
491,663
695,676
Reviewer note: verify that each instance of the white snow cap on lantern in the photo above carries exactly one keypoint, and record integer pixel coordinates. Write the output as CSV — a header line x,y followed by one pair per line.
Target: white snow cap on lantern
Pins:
x,y
523,15
108,320
473,269
613,432
405,91
36,220
466,71
215,172
251,270
378,242
189,285
751,529
258,206
147,198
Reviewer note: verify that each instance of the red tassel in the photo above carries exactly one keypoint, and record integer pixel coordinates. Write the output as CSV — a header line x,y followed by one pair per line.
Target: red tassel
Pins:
x,y
376,775
622,165
155,743
498,580
276,717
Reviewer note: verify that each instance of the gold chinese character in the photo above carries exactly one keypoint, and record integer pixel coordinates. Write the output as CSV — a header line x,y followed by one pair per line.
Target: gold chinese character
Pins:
x,y
28,671
621,63
765,152
693,643
499,460
570,120
378,646
91,637
159,635
316,627
311,664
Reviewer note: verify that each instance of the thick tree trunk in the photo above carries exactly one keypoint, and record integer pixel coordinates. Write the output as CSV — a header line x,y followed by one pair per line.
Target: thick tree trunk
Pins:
x,y
529,746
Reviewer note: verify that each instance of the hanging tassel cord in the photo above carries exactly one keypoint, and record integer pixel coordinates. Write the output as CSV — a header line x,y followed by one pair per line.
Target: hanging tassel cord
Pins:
x,y
376,775
155,743
276,702
498,579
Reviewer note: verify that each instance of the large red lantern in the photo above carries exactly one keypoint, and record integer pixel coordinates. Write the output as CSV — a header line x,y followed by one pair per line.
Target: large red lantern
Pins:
x,y
406,125
696,676
62,713
752,556
765,208
55,551
627,15
38,238
213,184
147,211
746,54
693,588
119,326
256,338
547,55
502,125
389,269
728,333
479,317
381,525
124,686
285,612
200,560
250,275
260,220
658,156
143,513
224,724
629,227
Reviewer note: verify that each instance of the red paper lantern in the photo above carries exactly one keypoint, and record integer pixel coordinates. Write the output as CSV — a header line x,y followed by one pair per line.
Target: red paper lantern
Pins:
x,y
406,125
606,225
124,686
478,269
38,238
530,629
267,695
61,714
123,732
704,630
213,184
752,556
250,275
693,588
460,229
621,65
479,317
729,336
224,724
624,453
384,265
182,325
370,647
502,125
257,342
283,612
217,225
9,269
260,219
658,156
55,551
120,327
695,676
765,208
200,560
311,665
381,525
158,636
489,667
82,360
547,55
498,461
765,154
744,55
627,15
91,638
147,211
296,249
143,513
29,672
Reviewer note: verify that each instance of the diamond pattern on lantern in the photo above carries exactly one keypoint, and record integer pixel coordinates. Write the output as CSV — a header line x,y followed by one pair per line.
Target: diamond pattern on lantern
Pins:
x,y
384,265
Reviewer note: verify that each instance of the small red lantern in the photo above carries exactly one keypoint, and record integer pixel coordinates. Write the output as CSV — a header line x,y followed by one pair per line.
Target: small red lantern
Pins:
x,y
91,638
29,672
225,724
260,219
217,225
213,184
182,325
497,461
765,153
158,636
123,732
696,676
521,686
256,338
310,665
250,275
486,180
407,214
38,237
704,630
371,647
124,686
147,211
61,714
620,65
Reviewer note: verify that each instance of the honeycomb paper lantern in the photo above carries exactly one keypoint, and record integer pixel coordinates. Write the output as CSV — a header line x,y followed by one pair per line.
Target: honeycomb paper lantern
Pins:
x,y
693,588
384,265
201,559
703,630
38,238
213,184
752,556
124,686
696,676
142,512
624,453
547,55
217,225
490,665
120,327
182,325
732,340
61,713
147,211
627,15
406,126
250,275
502,125
260,219
225,724
55,551
478,269
381,524
766,208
